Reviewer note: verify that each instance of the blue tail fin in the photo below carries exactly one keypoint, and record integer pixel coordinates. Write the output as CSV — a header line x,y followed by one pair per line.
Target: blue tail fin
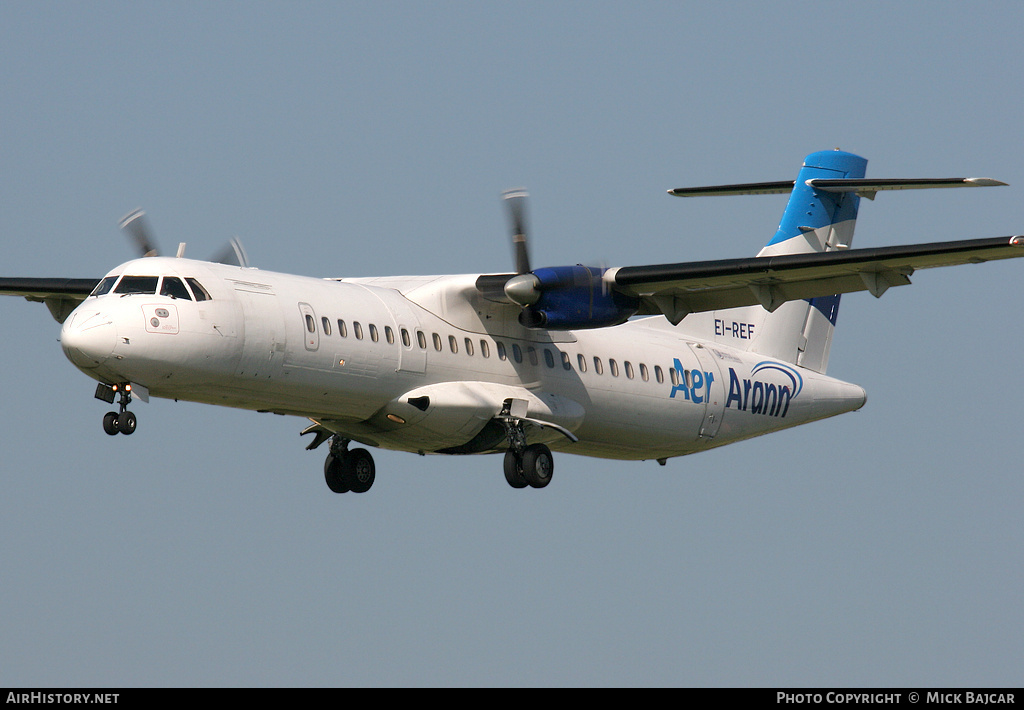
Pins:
x,y
819,220
815,220
820,216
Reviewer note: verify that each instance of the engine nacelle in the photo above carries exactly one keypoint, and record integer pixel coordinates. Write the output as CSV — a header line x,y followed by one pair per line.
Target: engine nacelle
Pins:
x,y
576,297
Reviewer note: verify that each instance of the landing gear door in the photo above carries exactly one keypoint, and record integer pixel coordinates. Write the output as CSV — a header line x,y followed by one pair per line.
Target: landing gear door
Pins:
x,y
708,384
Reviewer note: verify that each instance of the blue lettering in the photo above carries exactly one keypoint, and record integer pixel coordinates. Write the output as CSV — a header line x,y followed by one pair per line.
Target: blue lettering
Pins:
x,y
757,401
784,392
680,385
758,397
771,400
698,381
734,391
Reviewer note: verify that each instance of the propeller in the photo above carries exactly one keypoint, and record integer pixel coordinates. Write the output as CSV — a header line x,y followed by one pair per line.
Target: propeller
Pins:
x,y
557,297
523,288
515,201
136,226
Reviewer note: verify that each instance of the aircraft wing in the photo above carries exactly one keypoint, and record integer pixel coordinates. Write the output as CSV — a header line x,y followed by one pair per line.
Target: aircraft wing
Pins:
x,y
678,289
61,296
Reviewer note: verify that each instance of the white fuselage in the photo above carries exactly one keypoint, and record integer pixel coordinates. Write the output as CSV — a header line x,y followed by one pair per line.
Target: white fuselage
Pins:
x,y
424,364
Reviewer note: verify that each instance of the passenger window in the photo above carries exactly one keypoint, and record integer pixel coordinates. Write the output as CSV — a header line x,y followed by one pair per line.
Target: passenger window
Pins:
x,y
310,323
598,367
532,352
327,325
629,369
104,286
517,352
374,335
437,342
502,355
357,329
673,376
644,374
137,284
485,349
405,338
614,367
549,359
198,291
389,335
566,365
658,374
421,339
342,328
581,362
453,344
469,347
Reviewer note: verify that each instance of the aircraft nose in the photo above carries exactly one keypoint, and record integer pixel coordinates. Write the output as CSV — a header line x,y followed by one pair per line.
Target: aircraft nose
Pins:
x,y
88,339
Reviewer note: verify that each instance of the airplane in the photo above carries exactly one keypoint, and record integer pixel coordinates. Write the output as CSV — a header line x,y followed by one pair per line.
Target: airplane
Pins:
x,y
630,363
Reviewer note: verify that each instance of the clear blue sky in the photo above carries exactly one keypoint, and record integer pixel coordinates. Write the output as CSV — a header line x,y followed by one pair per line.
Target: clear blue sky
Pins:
x,y
882,547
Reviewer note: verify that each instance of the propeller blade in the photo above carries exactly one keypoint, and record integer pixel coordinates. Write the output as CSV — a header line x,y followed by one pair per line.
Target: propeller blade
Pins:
x,y
232,254
516,202
137,227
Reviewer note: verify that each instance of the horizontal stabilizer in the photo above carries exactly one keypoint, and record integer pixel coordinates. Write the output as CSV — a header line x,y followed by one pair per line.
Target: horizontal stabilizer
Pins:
x,y
863,187
748,188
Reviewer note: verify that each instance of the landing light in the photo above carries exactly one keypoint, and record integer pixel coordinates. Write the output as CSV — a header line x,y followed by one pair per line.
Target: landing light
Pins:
x,y
396,419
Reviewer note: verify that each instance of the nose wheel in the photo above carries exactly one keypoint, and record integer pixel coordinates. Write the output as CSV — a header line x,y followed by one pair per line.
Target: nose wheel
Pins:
x,y
121,421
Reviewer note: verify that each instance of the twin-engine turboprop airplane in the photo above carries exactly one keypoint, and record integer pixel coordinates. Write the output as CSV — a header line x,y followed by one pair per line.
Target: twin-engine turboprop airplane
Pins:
x,y
519,364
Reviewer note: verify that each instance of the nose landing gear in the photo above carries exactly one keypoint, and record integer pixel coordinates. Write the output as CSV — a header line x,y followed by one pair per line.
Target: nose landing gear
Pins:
x,y
121,421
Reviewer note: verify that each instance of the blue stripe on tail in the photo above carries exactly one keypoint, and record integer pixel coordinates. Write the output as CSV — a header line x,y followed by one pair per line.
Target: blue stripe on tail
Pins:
x,y
808,209
813,210
828,305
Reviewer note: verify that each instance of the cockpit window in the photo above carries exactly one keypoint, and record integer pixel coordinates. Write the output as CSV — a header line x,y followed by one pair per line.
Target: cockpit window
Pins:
x,y
104,286
173,287
201,293
136,284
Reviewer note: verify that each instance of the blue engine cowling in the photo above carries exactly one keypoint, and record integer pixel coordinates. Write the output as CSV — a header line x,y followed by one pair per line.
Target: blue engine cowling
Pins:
x,y
575,297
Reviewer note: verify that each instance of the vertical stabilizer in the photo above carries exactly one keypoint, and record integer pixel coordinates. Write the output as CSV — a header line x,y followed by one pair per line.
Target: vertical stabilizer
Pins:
x,y
814,221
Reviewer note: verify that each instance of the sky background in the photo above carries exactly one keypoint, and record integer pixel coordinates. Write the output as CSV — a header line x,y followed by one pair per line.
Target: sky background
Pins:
x,y
879,548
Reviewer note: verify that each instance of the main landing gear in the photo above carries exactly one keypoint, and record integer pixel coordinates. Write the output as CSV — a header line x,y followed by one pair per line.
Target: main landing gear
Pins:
x,y
532,467
121,421
346,470
525,464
